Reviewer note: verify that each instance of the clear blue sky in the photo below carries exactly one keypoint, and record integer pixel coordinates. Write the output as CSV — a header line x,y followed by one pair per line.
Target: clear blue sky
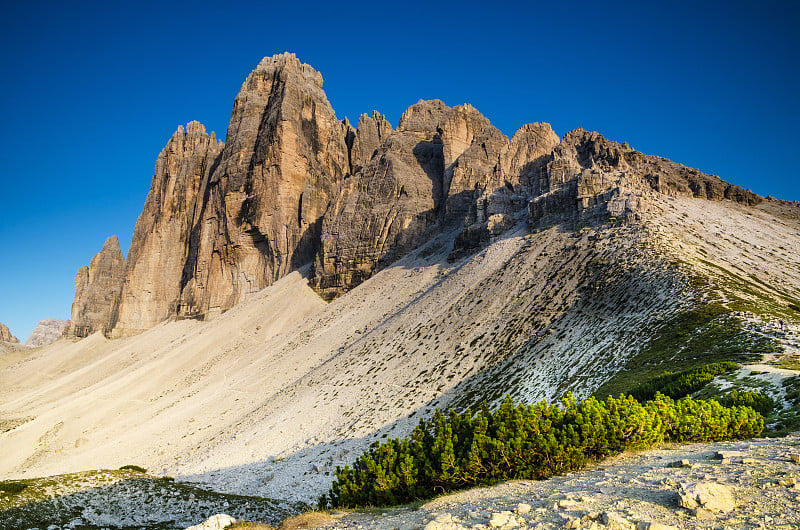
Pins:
x,y
91,91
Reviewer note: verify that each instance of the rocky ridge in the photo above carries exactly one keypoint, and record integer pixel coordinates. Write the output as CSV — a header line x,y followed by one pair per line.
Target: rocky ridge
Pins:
x,y
45,332
295,186
6,336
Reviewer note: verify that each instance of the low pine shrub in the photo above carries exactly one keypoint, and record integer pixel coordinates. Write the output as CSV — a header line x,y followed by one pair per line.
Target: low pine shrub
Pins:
x,y
753,399
680,384
12,487
132,467
453,451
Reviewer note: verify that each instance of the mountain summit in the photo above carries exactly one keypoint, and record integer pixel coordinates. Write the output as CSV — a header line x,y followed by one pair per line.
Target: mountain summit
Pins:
x,y
296,186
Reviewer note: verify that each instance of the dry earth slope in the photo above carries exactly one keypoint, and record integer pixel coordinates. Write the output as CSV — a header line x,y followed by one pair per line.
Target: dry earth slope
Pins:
x,y
270,396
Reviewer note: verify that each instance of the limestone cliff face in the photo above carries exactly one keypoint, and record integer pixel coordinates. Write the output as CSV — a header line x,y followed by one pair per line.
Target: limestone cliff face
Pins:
x,y
384,209
284,162
5,334
370,133
160,244
46,331
97,292
472,150
443,166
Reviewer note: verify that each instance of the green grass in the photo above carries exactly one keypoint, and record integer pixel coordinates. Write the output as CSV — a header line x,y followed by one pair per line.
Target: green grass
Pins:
x,y
787,420
749,294
787,363
703,334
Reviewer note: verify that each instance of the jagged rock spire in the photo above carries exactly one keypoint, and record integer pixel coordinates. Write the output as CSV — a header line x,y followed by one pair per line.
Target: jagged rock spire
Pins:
x,y
160,244
97,292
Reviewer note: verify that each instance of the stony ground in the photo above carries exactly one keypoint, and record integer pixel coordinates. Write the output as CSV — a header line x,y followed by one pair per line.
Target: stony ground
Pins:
x,y
632,491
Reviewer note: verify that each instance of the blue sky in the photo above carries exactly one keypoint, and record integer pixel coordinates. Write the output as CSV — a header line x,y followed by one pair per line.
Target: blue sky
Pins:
x,y
91,92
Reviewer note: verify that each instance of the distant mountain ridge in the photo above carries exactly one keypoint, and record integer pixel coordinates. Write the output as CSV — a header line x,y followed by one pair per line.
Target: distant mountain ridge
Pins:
x,y
295,186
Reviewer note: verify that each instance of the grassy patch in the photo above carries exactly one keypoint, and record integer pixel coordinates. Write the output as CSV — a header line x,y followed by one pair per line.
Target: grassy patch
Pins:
x,y
680,384
313,519
787,363
748,294
787,421
703,334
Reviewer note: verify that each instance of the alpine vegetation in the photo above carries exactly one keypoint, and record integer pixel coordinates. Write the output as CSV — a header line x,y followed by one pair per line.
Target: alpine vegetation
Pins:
x,y
453,451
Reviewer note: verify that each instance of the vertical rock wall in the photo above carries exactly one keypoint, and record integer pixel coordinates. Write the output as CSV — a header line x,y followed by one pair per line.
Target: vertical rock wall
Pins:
x,y
5,334
97,292
284,162
160,244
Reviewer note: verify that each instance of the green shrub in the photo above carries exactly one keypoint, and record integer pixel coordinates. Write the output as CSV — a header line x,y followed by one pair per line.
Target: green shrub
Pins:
x,y
134,468
753,399
453,451
680,384
12,487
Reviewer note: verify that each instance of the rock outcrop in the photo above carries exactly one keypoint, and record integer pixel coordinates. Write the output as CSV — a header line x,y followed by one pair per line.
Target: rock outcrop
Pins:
x,y
443,166
370,133
46,331
97,292
5,334
589,179
160,244
284,161
382,211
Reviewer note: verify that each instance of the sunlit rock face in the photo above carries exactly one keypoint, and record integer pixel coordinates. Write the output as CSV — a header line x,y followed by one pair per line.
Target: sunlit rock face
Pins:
x,y
97,292
160,244
282,166
6,336
46,331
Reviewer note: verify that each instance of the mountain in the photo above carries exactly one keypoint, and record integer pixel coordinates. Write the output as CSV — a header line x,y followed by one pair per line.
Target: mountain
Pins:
x,y
308,288
45,332
294,185
6,336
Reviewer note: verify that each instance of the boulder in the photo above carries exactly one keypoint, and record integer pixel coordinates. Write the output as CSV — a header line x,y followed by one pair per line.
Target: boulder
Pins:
x,y
215,522
709,496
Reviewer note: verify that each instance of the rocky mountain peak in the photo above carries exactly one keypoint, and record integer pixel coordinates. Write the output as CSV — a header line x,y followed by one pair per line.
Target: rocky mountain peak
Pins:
x,y
161,238
45,332
288,62
294,185
5,334
285,159
423,116
97,292
370,133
